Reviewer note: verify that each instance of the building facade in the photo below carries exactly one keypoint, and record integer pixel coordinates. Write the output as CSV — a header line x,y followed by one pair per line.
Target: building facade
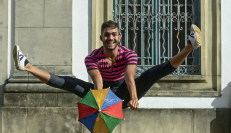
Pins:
x,y
58,35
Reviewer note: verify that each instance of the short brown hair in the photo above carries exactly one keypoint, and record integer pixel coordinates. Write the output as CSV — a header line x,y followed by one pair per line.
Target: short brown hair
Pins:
x,y
107,24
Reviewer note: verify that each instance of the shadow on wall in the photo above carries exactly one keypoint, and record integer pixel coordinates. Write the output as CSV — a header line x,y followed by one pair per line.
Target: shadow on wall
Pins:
x,y
1,94
222,122
1,103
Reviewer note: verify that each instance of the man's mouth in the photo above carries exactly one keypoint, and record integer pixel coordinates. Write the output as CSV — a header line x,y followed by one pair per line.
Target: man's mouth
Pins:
x,y
111,42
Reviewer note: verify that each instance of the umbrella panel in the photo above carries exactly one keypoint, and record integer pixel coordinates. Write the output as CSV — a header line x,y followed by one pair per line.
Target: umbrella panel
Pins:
x,y
111,121
100,125
100,96
114,110
85,110
110,99
89,100
89,121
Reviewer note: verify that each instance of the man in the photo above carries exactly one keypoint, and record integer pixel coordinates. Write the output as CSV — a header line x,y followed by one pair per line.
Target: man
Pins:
x,y
112,66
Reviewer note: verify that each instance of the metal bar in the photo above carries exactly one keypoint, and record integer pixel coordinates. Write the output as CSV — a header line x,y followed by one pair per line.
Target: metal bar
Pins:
x,y
126,22
134,25
171,28
149,27
153,34
168,20
119,20
178,28
115,11
159,35
163,27
157,59
142,35
185,32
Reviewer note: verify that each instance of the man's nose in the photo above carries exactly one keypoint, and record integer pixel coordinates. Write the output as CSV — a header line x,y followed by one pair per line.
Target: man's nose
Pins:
x,y
110,37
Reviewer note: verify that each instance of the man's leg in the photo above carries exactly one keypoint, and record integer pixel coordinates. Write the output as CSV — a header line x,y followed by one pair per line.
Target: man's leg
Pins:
x,y
40,74
73,85
149,77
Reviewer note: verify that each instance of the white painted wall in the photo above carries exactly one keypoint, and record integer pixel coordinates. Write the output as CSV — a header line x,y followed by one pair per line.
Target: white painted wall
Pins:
x,y
81,36
81,39
11,36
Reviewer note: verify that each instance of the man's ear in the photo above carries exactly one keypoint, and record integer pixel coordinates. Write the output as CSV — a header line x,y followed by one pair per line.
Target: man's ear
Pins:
x,y
101,38
119,37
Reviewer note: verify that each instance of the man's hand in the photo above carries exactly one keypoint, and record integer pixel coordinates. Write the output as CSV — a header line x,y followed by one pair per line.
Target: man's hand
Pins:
x,y
133,104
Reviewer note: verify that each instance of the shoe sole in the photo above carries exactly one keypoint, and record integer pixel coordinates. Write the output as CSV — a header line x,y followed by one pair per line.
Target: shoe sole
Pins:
x,y
198,33
15,55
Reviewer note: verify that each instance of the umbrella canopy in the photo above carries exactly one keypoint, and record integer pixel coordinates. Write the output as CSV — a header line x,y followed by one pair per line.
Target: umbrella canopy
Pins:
x,y
100,110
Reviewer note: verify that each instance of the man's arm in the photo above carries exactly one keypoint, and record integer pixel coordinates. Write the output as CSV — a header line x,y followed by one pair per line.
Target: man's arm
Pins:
x,y
129,79
97,78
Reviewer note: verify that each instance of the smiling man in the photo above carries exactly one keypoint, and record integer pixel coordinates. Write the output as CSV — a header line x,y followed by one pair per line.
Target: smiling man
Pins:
x,y
112,65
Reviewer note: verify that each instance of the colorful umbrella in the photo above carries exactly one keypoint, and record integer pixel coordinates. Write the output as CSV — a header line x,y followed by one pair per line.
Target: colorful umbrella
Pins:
x,y
100,110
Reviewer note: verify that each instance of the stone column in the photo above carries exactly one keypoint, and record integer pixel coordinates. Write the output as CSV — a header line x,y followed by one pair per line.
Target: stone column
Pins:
x,y
3,50
43,30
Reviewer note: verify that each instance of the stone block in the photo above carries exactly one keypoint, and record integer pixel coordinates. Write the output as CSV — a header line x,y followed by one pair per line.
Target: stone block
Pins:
x,y
42,88
1,119
42,100
15,99
16,87
212,120
3,13
46,46
19,77
58,13
29,13
158,120
53,120
14,120
202,119
67,100
57,70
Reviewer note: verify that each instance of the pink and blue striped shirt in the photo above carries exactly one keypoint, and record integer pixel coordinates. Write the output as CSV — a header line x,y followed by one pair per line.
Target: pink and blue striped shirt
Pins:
x,y
96,60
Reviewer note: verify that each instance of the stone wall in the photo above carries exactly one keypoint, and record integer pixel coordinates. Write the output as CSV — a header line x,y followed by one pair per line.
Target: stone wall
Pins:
x,y
65,120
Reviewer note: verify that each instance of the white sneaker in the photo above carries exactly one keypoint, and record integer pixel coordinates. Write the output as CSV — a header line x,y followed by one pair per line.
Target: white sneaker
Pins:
x,y
195,36
19,59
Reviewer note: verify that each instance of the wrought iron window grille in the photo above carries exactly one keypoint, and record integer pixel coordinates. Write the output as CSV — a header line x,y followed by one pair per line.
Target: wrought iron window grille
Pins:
x,y
157,30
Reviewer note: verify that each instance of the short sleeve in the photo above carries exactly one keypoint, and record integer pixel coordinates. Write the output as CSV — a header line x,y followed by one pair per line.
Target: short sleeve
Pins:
x,y
90,63
131,58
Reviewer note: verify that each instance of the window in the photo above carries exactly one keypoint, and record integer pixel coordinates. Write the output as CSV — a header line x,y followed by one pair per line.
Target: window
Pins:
x,y
157,30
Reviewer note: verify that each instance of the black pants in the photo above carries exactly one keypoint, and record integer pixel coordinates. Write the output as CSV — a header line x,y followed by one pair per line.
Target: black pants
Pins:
x,y
143,83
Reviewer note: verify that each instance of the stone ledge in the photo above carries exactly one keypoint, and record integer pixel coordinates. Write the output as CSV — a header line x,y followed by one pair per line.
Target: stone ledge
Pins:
x,y
40,100
31,88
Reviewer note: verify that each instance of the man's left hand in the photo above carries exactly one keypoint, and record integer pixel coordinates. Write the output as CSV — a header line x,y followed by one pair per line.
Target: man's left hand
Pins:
x,y
133,104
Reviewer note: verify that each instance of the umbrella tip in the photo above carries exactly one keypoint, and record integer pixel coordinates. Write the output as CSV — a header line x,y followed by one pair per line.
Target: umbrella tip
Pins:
x,y
100,110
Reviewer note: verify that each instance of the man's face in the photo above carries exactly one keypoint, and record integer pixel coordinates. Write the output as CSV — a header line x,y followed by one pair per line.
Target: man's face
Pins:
x,y
110,38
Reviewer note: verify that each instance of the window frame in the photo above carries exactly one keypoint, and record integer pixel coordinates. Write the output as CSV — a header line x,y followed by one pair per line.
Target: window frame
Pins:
x,y
208,84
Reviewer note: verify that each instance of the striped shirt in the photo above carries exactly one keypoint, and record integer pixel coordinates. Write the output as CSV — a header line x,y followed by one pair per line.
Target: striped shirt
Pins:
x,y
96,60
